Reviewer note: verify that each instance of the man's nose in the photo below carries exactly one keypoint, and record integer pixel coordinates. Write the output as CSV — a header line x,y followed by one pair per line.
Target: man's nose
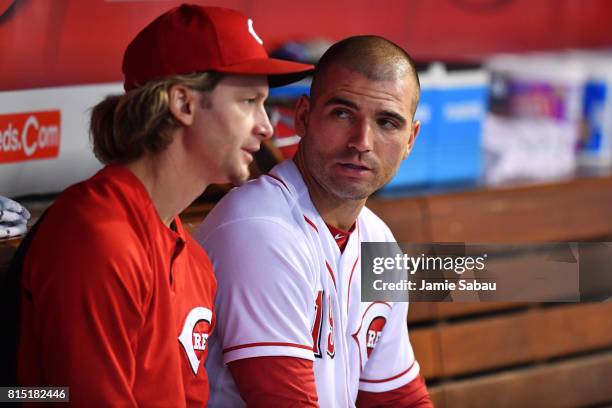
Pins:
x,y
361,136
263,127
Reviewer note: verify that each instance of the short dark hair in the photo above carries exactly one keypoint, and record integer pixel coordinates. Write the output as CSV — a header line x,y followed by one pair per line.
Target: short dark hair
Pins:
x,y
373,56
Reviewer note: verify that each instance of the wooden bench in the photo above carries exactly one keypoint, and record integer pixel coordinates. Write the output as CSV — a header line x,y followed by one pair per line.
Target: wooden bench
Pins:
x,y
511,354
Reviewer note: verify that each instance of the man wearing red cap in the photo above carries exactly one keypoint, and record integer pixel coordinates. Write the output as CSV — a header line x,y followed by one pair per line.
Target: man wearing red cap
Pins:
x,y
116,298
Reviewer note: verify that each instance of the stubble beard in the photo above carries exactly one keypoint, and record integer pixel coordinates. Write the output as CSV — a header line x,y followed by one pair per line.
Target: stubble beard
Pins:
x,y
334,187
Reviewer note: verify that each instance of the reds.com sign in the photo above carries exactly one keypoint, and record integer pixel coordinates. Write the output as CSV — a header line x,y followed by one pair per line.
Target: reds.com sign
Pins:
x,y
29,136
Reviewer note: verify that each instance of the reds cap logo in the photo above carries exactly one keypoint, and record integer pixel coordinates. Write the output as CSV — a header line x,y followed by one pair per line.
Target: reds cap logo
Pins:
x,y
194,335
370,330
29,136
252,32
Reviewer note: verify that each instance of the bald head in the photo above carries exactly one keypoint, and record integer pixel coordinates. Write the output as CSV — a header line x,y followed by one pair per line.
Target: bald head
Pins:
x,y
374,57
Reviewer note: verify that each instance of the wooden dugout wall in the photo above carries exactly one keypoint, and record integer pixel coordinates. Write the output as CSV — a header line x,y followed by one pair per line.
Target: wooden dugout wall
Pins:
x,y
512,354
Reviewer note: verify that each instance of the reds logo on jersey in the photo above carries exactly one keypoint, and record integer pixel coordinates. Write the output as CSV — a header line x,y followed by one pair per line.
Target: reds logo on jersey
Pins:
x,y
200,336
370,330
373,333
194,335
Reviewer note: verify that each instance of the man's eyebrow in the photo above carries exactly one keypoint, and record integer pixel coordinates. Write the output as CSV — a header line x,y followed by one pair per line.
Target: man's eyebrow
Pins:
x,y
260,92
336,100
393,115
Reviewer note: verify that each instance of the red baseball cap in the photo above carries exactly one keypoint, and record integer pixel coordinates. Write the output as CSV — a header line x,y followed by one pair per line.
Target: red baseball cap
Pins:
x,y
193,38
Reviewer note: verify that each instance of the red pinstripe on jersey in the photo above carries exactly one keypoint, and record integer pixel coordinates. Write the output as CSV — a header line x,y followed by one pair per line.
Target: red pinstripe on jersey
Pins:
x,y
390,378
280,180
331,272
348,299
312,224
263,344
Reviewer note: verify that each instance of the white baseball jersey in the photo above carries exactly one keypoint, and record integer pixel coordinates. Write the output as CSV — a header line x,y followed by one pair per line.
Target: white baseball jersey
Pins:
x,y
285,289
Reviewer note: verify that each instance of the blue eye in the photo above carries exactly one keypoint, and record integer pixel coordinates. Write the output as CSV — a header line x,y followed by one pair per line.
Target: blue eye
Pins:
x,y
387,124
339,113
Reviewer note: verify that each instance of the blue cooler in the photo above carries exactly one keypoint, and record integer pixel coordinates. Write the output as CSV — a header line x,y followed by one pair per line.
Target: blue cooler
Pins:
x,y
448,149
596,147
456,148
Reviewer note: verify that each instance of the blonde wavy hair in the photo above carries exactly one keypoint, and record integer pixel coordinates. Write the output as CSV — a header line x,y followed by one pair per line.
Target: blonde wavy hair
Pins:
x,y
125,127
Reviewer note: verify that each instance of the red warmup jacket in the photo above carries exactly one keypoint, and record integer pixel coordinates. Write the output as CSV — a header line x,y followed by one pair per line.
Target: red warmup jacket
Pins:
x,y
115,305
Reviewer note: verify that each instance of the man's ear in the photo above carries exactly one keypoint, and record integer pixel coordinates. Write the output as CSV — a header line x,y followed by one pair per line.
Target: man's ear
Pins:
x,y
182,102
414,132
302,110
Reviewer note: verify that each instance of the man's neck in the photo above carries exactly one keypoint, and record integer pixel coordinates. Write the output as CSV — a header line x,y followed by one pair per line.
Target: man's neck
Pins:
x,y
171,186
335,211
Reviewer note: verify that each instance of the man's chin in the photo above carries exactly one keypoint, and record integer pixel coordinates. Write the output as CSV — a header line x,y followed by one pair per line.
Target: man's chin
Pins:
x,y
353,195
354,192
239,179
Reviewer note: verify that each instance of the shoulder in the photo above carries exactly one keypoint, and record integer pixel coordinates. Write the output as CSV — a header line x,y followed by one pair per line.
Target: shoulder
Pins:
x,y
373,228
257,241
111,194
259,223
262,207
98,214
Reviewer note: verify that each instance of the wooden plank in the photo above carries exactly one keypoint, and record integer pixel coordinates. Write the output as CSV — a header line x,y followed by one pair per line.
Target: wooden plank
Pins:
x,y
570,329
490,343
573,210
437,396
422,312
450,309
406,217
576,382
426,346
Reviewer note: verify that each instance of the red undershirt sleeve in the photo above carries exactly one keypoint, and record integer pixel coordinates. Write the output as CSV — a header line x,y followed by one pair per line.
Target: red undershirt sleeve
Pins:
x,y
275,381
414,395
